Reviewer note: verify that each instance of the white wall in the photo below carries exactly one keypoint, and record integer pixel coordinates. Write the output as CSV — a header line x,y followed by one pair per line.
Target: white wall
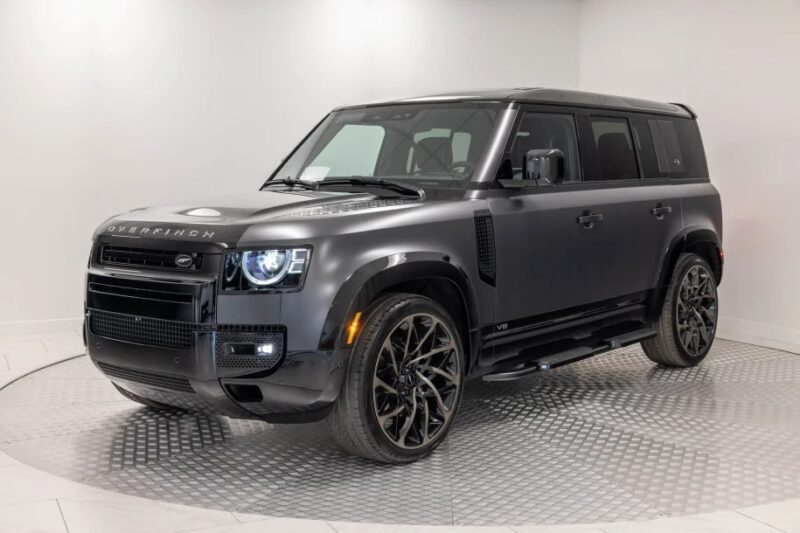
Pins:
x,y
424,46
737,63
107,105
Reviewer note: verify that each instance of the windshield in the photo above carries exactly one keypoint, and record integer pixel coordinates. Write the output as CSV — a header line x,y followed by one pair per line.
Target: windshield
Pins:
x,y
431,144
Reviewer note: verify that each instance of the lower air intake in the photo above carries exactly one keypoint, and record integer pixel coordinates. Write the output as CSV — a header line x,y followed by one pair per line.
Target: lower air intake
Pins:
x,y
142,330
154,379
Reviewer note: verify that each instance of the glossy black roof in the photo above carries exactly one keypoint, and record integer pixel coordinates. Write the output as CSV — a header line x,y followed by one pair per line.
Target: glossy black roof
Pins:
x,y
549,96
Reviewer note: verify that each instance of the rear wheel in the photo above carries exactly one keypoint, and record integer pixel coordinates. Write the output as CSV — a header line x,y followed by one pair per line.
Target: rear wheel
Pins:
x,y
404,382
688,323
144,401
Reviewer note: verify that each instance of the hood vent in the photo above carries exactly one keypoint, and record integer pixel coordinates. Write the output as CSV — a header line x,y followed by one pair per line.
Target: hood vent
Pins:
x,y
349,207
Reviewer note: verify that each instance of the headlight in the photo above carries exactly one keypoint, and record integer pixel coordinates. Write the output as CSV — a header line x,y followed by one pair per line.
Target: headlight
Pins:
x,y
281,268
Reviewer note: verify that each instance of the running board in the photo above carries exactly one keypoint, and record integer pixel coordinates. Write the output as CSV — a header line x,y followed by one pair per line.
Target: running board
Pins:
x,y
571,355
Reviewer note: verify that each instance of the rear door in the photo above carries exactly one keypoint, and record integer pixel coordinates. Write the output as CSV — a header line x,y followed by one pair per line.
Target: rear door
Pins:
x,y
643,210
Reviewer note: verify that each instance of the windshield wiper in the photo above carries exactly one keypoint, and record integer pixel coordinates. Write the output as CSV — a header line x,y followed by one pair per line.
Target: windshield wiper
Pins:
x,y
361,181
290,182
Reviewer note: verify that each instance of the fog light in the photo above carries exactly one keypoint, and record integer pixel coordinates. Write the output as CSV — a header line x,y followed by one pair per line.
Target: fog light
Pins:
x,y
249,349
265,349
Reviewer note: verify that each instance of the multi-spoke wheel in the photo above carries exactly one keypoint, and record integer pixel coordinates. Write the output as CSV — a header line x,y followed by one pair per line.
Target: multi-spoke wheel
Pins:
x,y
404,383
417,381
688,322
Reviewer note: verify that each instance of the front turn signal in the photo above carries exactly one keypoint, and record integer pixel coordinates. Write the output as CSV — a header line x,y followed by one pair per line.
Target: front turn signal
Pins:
x,y
352,329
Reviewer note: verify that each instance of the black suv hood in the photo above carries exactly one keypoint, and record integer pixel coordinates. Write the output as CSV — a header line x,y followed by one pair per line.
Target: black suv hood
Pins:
x,y
224,219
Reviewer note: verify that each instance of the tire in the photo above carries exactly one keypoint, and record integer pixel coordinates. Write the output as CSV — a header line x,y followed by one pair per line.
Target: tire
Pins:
x,y
381,411
144,401
688,323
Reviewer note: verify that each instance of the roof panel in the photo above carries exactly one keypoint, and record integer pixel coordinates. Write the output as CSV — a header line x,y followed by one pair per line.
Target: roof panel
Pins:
x,y
548,96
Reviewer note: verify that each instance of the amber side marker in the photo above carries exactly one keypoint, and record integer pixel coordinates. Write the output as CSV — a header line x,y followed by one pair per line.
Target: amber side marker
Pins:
x,y
352,330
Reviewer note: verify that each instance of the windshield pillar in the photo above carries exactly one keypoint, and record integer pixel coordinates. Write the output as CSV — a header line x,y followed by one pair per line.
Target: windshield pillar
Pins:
x,y
487,170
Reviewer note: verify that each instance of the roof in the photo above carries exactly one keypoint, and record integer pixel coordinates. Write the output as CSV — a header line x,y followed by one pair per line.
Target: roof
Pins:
x,y
548,96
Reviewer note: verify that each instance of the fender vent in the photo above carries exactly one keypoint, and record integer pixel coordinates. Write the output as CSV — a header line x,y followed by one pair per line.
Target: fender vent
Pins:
x,y
484,239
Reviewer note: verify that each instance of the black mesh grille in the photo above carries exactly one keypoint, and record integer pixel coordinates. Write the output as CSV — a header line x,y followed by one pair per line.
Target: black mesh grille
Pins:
x,y
226,359
484,238
156,379
161,259
142,330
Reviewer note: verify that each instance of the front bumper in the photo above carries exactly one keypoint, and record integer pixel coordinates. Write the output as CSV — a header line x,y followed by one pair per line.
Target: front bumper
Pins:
x,y
165,334
301,388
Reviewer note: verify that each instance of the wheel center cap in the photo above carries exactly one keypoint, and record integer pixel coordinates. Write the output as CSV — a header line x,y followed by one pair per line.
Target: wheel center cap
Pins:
x,y
407,379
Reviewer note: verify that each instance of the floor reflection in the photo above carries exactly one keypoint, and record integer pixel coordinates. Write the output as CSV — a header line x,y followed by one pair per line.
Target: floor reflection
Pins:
x,y
610,438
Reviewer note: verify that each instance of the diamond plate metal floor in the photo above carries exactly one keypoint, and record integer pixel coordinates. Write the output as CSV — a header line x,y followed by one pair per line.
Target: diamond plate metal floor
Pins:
x,y
610,438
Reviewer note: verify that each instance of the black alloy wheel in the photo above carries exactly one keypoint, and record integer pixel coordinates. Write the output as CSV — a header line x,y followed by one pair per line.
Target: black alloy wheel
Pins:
x,y
404,382
687,325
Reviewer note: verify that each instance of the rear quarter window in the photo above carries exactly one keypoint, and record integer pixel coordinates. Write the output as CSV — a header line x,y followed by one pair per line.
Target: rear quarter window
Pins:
x,y
670,148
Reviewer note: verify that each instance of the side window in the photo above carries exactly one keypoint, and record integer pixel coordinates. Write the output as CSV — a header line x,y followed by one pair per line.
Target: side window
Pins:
x,y
694,158
670,148
647,150
668,151
614,147
353,151
539,131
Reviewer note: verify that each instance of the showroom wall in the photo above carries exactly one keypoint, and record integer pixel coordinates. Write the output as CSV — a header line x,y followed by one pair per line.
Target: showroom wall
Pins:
x,y
107,105
728,60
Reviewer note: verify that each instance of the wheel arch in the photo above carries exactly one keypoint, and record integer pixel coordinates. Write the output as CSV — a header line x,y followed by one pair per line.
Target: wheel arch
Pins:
x,y
701,241
425,273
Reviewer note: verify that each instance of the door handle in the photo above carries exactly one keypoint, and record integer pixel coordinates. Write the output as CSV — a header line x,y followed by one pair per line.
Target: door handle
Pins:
x,y
660,210
588,219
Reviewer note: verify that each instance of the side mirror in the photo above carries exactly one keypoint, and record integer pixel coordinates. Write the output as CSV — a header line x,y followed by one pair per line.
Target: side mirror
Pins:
x,y
541,167
545,167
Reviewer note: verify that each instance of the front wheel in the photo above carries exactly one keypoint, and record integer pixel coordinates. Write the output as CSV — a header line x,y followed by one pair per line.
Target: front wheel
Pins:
x,y
688,323
404,382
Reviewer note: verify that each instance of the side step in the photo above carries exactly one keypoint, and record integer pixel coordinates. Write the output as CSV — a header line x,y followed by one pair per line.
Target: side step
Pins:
x,y
571,355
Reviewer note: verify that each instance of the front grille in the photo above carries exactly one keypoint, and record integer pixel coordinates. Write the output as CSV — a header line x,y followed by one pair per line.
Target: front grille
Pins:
x,y
155,379
181,301
117,289
140,257
143,330
225,359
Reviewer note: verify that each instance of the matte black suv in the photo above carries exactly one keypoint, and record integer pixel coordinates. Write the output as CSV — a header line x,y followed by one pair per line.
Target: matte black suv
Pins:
x,y
407,246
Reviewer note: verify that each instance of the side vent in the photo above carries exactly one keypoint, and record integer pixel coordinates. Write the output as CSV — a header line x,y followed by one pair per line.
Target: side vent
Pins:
x,y
484,239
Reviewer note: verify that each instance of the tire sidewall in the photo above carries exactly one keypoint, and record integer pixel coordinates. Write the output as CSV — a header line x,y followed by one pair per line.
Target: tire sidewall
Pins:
x,y
691,261
368,350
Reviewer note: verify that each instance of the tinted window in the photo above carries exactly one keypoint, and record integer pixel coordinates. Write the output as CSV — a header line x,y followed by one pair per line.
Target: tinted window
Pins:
x,y
647,151
668,151
540,131
670,147
615,154
694,158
